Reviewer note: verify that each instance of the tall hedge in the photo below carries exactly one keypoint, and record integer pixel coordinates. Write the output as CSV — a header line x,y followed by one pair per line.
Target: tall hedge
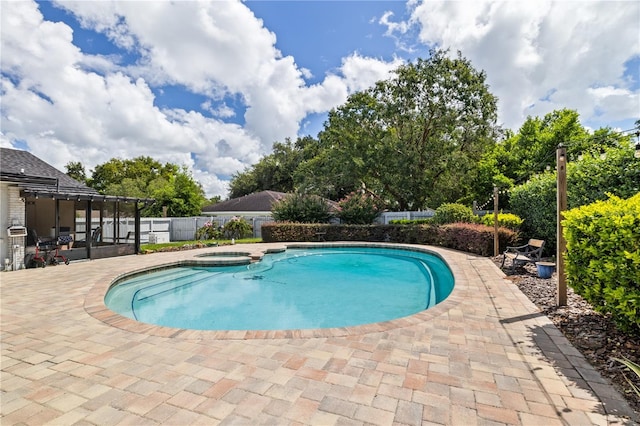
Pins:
x,y
535,203
469,237
603,257
588,180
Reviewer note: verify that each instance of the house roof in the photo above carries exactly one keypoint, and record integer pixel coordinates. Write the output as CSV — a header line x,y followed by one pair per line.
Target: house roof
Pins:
x,y
22,166
256,202
35,177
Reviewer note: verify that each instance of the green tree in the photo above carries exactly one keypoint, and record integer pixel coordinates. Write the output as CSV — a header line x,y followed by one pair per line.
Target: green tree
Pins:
x,y
141,169
75,169
274,172
173,188
180,194
412,139
213,200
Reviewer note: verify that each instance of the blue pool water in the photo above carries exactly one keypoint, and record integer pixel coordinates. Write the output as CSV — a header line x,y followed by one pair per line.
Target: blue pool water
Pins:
x,y
296,289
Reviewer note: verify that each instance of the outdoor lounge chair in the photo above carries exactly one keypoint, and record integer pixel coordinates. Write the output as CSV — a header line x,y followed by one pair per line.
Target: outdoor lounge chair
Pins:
x,y
528,253
96,237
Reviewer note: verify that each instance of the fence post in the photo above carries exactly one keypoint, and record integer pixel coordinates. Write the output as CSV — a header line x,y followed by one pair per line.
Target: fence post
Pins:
x,y
496,240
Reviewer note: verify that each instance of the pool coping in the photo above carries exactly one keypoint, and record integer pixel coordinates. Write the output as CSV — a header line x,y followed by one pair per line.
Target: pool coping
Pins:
x,y
486,355
95,306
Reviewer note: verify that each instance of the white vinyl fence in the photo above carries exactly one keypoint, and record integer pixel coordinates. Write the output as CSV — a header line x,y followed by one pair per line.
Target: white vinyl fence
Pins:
x,y
184,228
386,217
165,229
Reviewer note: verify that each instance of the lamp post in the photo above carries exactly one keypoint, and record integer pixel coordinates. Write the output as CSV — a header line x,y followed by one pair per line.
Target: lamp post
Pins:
x,y
561,161
496,239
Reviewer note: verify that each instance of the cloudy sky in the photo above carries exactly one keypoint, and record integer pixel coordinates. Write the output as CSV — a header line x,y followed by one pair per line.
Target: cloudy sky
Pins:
x,y
211,85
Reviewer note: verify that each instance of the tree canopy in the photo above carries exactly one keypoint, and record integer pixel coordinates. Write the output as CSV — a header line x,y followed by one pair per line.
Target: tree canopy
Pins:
x,y
75,169
532,150
173,187
276,171
414,139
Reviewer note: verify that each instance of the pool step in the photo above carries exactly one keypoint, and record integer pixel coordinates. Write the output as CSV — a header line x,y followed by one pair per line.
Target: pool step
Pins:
x,y
125,290
166,287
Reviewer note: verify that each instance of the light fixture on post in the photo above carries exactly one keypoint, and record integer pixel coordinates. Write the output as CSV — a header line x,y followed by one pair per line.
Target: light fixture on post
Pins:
x,y
561,160
636,154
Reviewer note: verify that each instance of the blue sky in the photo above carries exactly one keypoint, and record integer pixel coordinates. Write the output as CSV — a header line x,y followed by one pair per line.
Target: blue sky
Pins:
x,y
211,85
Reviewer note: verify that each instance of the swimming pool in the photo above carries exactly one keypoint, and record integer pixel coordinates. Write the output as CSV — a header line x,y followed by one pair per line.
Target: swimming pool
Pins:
x,y
302,288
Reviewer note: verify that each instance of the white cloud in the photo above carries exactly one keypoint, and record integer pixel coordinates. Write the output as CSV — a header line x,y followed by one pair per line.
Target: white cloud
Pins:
x,y
67,105
532,48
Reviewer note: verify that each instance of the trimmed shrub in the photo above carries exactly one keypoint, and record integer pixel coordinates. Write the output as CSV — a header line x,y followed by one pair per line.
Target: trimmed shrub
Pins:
x,y
208,232
588,180
506,220
603,257
535,202
359,209
410,221
302,209
452,213
237,228
473,238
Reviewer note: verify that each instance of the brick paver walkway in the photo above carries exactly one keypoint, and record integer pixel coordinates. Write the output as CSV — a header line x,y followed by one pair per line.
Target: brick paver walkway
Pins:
x,y
484,356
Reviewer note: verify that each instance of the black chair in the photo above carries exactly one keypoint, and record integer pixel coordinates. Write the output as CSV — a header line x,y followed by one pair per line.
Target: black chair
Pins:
x,y
528,253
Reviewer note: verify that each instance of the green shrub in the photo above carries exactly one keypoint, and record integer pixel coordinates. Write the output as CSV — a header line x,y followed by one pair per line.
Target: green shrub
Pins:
x,y
473,238
506,220
410,221
359,209
208,232
302,209
452,213
535,202
603,257
588,180
237,228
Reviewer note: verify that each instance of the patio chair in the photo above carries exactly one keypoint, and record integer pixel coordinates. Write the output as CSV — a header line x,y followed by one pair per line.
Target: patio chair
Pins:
x,y
520,255
96,238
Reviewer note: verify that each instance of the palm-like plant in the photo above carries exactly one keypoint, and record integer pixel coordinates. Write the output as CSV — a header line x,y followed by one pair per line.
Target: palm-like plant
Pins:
x,y
633,367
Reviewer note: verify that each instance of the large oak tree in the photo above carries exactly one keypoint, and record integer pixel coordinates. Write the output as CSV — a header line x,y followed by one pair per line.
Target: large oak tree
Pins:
x,y
414,139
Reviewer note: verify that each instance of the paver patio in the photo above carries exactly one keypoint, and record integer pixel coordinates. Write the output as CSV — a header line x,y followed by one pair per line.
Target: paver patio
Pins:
x,y
484,356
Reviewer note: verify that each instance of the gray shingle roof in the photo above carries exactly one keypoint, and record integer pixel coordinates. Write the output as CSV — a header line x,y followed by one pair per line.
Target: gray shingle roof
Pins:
x,y
30,172
256,202
36,177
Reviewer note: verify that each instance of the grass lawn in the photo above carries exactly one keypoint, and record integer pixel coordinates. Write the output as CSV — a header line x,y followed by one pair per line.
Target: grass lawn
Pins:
x,y
145,248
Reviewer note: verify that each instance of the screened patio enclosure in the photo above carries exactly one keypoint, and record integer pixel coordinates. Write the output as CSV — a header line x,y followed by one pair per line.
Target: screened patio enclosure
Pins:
x,y
85,226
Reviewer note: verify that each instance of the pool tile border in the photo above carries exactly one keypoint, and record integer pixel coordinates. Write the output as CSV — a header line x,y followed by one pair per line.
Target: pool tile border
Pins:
x,y
94,302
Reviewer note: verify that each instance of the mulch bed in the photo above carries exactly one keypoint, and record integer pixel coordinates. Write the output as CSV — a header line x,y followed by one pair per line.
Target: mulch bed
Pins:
x,y
593,334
